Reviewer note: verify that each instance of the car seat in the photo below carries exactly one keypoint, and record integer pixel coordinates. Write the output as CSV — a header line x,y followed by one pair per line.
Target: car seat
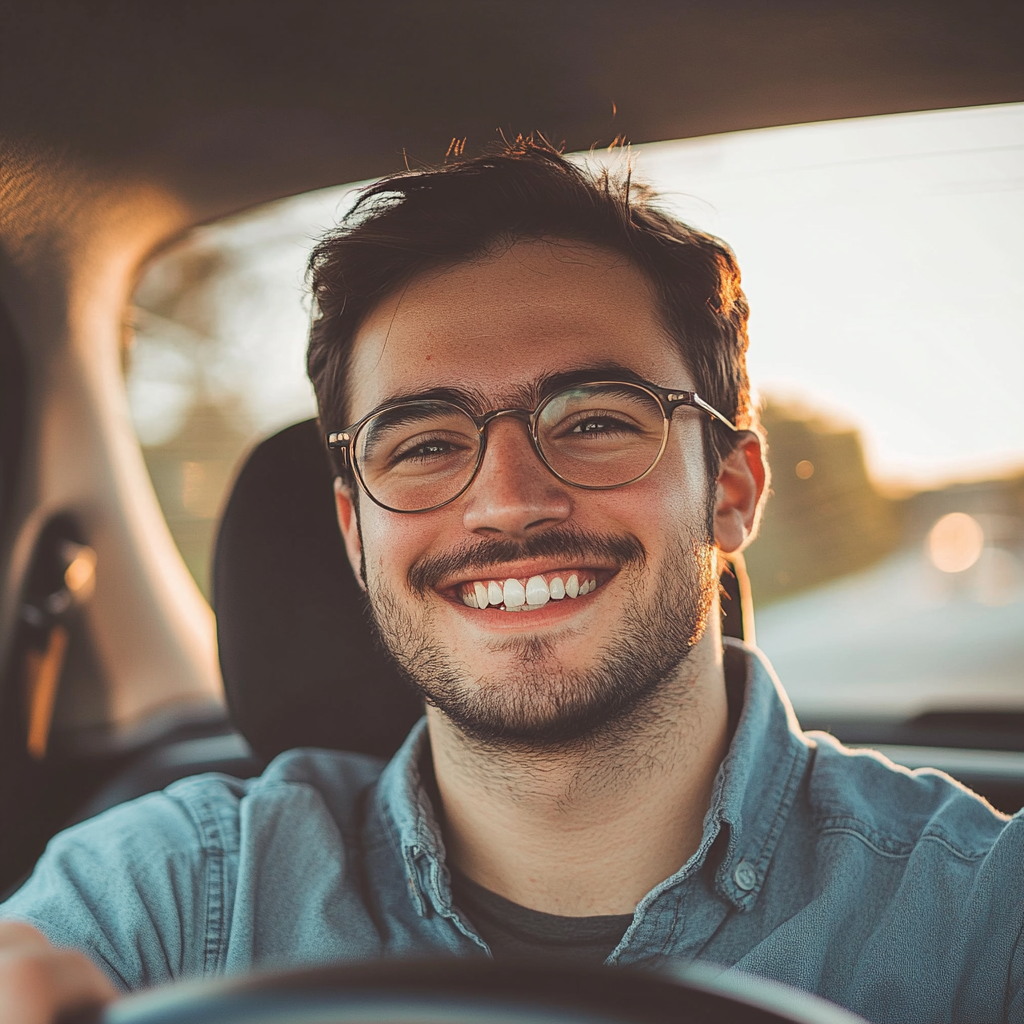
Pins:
x,y
297,649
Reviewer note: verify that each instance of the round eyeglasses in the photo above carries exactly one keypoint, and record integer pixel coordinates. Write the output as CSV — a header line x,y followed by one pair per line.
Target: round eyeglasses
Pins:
x,y
418,455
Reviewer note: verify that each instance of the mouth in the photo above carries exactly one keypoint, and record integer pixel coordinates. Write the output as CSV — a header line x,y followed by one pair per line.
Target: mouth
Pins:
x,y
531,593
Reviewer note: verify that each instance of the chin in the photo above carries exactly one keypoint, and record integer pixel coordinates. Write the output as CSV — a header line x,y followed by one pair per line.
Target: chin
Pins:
x,y
530,699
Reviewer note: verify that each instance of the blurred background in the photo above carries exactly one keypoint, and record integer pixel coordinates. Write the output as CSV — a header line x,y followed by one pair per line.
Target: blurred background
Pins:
x,y
883,260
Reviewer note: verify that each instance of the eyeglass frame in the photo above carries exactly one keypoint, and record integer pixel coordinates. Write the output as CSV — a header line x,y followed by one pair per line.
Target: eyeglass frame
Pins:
x,y
669,399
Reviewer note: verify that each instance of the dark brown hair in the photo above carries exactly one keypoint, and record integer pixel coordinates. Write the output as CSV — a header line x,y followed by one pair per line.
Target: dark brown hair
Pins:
x,y
410,222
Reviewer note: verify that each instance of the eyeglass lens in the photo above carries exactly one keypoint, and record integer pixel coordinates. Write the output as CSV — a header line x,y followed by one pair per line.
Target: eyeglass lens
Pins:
x,y
422,454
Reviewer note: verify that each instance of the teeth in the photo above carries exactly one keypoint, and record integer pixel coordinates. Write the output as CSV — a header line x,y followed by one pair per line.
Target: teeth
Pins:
x,y
537,593
515,593
513,596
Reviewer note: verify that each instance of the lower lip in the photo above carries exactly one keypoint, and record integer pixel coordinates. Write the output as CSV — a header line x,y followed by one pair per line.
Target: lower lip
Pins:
x,y
552,612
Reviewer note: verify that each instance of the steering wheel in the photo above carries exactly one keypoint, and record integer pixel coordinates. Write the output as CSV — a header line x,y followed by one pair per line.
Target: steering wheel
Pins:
x,y
454,991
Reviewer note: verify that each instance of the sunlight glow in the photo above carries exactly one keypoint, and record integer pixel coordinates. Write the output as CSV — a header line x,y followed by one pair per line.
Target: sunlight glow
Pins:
x,y
884,262
955,542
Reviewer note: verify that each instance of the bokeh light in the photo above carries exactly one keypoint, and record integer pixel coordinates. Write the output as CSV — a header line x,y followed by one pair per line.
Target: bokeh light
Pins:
x,y
955,542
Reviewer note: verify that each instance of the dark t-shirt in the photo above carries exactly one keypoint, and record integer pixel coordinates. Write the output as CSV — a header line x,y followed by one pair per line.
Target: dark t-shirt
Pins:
x,y
515,932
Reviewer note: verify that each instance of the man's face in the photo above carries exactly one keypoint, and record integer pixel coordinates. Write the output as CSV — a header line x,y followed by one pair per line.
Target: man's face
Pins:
x,y
495,329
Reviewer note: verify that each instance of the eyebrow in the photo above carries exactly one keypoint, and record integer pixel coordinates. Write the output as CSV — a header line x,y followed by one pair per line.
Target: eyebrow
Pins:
x,y
523,396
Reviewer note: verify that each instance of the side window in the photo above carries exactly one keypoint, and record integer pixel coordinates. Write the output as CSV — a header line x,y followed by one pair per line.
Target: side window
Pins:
x,y
882,260
218,357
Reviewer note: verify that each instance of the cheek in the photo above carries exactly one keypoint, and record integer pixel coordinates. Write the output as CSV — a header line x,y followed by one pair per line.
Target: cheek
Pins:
x,y
392,543
673,498
660,510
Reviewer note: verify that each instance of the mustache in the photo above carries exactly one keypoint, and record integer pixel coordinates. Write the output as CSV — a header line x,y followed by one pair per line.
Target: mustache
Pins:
x,y
572,546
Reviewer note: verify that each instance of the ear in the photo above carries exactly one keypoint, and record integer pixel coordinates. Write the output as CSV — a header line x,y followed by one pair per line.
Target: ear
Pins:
x,y
738,491
348,522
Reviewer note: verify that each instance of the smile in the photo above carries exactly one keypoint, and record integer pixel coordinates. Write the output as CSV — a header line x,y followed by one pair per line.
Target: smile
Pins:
x,y
527,595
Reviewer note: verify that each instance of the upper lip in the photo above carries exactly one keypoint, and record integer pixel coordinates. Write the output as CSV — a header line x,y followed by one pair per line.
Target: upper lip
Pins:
x,y
523,570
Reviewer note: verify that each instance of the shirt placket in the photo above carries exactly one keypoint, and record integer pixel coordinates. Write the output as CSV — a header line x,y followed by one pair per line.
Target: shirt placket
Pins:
x,y
678,917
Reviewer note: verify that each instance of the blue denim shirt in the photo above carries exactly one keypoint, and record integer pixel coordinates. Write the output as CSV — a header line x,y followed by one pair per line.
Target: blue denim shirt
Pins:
x,y
897,894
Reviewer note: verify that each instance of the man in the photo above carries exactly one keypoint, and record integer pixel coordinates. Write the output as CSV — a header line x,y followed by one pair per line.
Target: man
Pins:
x,y
534,385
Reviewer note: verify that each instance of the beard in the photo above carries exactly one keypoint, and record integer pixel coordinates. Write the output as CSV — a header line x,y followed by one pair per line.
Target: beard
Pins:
x,y
541,703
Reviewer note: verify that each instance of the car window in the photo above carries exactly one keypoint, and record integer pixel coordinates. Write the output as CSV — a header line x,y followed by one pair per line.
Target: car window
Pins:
x,y
216,361
883,260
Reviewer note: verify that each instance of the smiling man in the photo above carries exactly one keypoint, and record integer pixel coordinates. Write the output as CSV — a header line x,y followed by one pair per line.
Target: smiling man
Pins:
x,y
533,384
516,450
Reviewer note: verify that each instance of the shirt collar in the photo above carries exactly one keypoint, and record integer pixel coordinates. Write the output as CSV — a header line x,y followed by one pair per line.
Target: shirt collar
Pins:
x,y
759,778
407,810
754,789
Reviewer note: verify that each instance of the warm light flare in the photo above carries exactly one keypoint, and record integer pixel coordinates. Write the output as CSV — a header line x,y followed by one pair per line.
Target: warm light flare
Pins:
x,y
80,575
955,542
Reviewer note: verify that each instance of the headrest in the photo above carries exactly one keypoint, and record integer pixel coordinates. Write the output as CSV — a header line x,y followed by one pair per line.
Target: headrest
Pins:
x,y
297,649
299,663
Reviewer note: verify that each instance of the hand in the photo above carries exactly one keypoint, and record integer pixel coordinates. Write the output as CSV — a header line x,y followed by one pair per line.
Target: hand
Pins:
x,y
38,981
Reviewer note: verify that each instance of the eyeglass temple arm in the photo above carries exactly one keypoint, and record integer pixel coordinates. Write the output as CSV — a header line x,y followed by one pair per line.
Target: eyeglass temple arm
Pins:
x,y
677,398
340,440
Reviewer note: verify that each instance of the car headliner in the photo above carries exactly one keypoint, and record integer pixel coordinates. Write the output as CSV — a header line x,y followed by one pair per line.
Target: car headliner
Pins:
x,y
122,124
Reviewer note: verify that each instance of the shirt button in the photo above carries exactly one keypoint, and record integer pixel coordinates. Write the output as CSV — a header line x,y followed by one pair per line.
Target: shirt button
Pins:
x,y
745,876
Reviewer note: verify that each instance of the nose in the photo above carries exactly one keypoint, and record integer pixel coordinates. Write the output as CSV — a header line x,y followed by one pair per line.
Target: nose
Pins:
x,y
514,494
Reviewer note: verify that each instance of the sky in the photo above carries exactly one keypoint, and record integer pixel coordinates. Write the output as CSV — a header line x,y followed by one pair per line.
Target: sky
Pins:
x,y
883,258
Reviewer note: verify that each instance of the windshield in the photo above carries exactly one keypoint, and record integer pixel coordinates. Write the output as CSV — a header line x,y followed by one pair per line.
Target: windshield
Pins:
x,y
883,261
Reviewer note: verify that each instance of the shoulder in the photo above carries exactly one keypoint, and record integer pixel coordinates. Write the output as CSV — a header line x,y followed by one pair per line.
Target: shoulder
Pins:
x,y
328,771
894,809
329,782
201,814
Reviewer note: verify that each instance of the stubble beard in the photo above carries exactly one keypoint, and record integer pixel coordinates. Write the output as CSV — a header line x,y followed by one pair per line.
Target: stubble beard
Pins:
x,y
542,704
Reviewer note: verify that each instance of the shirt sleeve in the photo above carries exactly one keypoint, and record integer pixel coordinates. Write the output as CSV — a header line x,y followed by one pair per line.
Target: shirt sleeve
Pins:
x,y
1015,993
144,889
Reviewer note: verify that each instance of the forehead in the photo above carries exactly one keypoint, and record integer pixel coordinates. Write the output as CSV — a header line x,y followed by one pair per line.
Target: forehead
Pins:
x,y
501,323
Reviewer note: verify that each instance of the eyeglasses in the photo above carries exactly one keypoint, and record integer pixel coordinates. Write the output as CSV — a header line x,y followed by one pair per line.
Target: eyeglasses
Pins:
x,y
419,455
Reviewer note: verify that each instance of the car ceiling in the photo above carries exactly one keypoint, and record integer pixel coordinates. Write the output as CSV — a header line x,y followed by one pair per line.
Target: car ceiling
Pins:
x,y
123,122
230,103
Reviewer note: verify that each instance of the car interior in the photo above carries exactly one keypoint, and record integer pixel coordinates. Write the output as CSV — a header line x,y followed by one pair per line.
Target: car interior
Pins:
x,y
134,653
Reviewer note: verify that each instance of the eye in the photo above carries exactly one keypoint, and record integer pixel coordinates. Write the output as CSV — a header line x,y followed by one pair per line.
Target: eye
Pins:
x,y
425,450
599,422
596,425
422,451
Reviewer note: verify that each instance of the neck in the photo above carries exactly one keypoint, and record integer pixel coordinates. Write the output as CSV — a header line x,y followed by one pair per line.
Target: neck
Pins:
x,y
588,829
